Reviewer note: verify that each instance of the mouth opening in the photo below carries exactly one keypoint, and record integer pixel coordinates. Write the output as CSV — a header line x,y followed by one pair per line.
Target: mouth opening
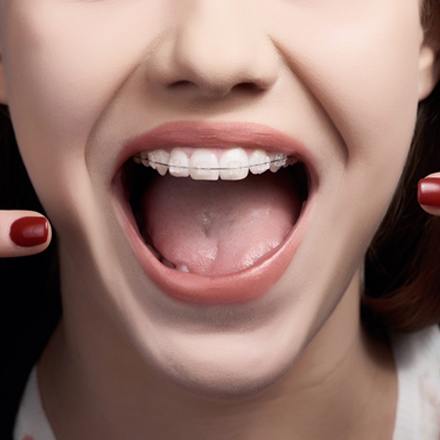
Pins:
x,y
137,178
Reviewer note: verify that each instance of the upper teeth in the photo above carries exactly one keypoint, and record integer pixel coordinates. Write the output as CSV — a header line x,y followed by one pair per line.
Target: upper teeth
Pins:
x,y
211,164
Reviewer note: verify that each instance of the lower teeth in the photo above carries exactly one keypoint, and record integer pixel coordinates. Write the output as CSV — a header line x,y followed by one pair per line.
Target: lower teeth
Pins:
x,y
181,267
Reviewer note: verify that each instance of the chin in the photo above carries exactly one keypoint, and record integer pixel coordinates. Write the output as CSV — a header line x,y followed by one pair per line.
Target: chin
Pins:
x,y
225,366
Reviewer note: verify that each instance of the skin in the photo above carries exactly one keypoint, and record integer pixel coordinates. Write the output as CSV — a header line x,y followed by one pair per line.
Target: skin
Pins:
x,y
343,76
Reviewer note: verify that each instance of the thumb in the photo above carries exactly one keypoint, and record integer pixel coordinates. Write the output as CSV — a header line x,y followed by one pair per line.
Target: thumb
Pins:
x,y
23,233
428,193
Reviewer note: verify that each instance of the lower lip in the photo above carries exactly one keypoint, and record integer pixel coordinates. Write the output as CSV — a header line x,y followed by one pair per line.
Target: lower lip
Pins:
x,y
241,287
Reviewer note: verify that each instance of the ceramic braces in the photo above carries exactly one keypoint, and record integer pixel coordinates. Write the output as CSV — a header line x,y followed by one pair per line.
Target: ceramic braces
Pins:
x,y
282,162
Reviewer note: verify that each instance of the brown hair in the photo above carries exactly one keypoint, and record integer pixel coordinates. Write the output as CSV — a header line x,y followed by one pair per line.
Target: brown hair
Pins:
x,y
402,265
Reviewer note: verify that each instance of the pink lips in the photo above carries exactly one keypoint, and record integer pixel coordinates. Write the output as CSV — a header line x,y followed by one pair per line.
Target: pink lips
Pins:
x,y
239,287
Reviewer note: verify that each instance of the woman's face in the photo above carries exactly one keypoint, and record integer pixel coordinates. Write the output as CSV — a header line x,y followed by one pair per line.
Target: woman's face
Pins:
x,y
342,76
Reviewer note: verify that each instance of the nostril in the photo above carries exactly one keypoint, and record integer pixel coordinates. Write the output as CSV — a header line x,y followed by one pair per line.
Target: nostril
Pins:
x,y
180,83
247,86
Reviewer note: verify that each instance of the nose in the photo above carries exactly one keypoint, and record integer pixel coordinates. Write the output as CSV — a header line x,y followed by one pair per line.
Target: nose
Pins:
x,y
214,48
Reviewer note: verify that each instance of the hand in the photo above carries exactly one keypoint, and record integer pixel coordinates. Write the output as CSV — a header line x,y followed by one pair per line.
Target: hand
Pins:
x,y
428,194
23,233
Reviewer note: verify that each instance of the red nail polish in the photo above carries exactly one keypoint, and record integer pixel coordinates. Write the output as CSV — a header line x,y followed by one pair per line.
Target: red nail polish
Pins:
x,y
29,231
428,191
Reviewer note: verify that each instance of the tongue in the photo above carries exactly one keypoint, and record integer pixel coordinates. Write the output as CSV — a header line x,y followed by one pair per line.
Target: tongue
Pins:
x,y
219,227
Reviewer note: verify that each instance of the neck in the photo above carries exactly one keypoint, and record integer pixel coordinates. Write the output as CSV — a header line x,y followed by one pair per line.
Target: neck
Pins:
x,y
337,388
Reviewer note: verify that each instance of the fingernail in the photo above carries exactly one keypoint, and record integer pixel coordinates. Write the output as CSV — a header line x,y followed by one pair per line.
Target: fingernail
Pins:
x,y
29,231
428,191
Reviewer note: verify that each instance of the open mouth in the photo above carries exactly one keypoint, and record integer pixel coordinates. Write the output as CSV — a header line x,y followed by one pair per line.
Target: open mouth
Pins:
x,y
213,227
217,224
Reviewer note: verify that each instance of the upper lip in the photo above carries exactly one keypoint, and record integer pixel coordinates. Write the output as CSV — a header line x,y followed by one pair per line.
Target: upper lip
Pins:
x,y
204,134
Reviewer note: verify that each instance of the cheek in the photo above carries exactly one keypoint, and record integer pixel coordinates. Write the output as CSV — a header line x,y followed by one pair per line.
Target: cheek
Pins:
x,y
65,60
362,69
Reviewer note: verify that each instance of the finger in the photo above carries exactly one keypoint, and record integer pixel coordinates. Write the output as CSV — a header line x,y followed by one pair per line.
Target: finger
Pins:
x,y
428,193
23,233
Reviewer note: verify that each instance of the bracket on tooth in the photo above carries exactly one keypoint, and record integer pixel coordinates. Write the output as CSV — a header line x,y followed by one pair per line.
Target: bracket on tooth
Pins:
x,y
162,164
281,162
